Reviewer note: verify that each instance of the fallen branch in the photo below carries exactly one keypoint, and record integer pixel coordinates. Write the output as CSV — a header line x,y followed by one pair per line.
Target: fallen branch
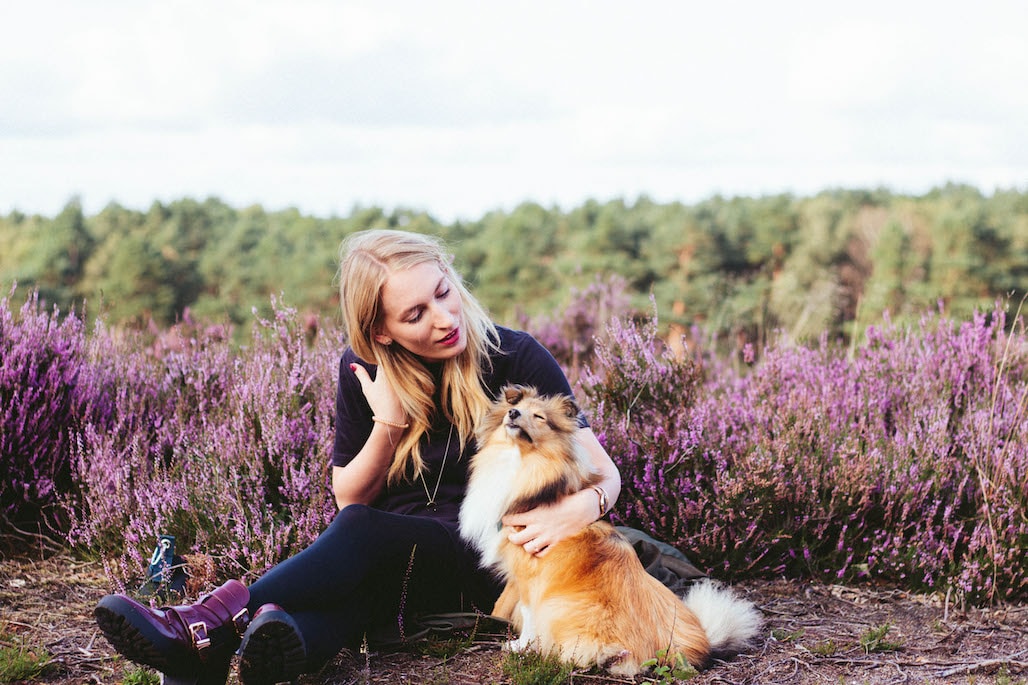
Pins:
x,y
45,542
987,663
21,625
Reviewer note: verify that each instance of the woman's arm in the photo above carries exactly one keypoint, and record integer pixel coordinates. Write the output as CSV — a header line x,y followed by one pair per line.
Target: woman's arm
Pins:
x,y
547,525
362,480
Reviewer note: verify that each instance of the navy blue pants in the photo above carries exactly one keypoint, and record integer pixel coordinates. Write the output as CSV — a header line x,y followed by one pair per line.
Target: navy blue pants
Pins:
x,y
369,568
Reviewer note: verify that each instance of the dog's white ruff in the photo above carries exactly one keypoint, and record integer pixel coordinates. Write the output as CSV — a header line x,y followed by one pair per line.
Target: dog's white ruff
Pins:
x,y
487,499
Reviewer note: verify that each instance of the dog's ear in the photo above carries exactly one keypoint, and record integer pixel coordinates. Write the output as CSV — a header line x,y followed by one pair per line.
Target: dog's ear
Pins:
x,y
513,394
570,408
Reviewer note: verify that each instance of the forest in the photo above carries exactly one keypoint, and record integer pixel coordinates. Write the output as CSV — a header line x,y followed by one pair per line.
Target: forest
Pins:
x,y
739,268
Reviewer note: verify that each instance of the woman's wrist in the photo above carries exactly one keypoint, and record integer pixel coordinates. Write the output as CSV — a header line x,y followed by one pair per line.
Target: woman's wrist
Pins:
x,y
587,508
392,424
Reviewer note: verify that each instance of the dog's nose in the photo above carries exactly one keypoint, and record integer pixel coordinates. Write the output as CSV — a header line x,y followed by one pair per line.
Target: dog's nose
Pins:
x,y
514,413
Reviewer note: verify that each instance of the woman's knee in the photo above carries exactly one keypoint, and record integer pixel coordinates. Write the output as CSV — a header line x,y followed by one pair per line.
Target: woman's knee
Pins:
x,y
354,514
354,521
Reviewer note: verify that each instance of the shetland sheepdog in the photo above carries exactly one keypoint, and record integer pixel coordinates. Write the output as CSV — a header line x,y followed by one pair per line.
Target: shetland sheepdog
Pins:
x,y
589,599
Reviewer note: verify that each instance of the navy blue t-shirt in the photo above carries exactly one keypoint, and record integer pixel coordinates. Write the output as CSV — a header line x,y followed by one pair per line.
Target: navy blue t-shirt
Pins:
x,y
520,360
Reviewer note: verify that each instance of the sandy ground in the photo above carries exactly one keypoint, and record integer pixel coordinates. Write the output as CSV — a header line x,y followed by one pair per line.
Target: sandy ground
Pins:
x,y
814,634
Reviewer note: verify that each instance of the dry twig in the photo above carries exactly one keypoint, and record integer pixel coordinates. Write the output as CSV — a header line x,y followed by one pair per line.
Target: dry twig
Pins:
x,y
1011,660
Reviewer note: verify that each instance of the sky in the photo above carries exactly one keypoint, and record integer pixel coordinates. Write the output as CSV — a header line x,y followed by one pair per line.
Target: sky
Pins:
x,y
460,108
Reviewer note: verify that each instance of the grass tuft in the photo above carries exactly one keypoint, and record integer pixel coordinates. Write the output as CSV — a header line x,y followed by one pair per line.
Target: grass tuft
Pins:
x,y
873,640
137,675
531,667
19,662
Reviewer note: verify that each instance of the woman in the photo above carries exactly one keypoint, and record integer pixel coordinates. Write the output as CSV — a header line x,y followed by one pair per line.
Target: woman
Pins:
x,y
424,363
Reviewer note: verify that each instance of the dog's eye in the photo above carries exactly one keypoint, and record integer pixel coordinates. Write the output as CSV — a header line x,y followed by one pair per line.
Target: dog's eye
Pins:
x,y
541,417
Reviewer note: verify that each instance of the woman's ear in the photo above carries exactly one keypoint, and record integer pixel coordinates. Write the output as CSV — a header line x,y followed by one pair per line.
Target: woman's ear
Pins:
x,y
383,339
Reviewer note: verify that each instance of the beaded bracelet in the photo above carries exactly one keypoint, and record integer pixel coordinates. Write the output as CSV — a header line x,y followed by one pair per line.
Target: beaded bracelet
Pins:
x,y
390,423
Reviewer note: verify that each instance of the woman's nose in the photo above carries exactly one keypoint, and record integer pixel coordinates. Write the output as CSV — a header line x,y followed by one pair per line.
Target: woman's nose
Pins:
x,y
442,317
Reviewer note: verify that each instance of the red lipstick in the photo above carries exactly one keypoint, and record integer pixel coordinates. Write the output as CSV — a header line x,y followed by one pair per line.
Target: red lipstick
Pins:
x,y
451,338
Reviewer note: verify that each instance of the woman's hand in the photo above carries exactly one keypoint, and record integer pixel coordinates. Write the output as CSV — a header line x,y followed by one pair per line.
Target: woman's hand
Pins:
x,y
381,397
539,529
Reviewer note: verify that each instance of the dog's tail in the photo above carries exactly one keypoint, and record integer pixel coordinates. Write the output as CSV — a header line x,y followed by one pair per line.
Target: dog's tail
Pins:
x,y
730,622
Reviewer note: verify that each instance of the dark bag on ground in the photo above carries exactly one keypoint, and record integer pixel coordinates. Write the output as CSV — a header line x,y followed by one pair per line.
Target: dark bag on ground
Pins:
x,y
662,561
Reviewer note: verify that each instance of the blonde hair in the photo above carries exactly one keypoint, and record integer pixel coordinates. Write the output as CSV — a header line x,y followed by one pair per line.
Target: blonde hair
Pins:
x,y
366,260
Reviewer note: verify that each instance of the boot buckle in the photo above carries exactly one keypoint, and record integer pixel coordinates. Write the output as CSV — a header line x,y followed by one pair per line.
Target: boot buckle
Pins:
x,y
198,631
240,621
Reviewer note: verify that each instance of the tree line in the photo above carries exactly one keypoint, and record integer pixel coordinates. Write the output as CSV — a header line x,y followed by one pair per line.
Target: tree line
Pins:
x,y
737,267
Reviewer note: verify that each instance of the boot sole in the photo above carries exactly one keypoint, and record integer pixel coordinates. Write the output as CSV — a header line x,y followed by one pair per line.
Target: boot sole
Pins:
x,y
131,634
273,651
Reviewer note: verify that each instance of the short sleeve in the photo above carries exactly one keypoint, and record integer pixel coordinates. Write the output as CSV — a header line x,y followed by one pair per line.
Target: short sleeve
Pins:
x,y
353,415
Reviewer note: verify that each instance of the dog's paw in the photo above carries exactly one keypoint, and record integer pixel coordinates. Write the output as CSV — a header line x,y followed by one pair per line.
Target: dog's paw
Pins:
x,y
518,645
615,659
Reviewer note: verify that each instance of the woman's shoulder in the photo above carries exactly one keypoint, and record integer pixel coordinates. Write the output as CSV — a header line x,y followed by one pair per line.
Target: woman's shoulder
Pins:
x,y
515,347
347,359
350,357
524,360
511,340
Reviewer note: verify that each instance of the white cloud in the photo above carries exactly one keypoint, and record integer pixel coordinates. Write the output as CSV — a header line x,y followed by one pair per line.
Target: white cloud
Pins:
x,y
458,106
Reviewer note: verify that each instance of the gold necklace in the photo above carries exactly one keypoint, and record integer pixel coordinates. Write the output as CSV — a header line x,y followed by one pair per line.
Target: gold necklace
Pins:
x,y
430,498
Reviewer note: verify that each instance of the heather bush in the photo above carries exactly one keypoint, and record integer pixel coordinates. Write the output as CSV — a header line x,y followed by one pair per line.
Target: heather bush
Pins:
x,y
226,449
43,401
906,461
636,408
572,332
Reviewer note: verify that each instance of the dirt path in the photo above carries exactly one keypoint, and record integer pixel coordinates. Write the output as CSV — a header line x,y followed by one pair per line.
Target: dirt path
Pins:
x,y
815,634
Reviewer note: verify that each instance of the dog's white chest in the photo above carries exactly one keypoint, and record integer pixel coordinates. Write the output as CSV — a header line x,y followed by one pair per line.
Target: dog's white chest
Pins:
x,y
487,498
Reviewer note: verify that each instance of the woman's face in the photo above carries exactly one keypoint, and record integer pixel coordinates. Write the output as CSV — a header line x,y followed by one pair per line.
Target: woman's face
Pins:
x,y
421,311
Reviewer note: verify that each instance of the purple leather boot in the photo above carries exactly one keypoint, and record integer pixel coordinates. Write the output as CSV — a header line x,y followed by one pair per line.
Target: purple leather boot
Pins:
x,y
273,650
183,642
